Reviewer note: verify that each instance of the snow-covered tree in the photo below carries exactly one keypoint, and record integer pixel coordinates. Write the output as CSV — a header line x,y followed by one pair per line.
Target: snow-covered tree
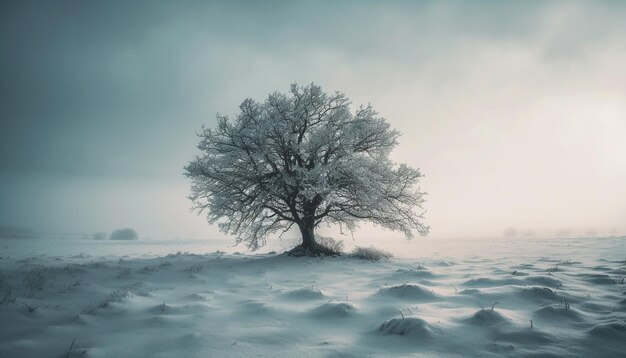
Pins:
x,y
303,159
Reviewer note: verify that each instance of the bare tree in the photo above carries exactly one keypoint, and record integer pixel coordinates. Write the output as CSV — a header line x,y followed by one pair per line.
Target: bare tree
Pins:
x,y
303,159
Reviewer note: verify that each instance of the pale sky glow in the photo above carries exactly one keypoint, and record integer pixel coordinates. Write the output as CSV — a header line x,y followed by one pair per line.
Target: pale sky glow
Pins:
x,y
514,111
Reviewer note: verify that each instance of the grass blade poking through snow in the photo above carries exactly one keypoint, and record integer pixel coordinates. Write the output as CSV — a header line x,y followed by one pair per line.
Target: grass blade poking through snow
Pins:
x,y
69,351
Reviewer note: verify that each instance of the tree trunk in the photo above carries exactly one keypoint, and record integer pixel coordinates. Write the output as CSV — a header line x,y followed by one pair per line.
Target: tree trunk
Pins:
x,y
309,247
308,236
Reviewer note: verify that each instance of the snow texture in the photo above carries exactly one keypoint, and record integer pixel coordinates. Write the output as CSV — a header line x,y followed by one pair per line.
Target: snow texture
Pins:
x,y
223,305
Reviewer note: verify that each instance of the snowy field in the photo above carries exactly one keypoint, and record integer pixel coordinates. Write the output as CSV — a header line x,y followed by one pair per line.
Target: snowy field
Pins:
x,y
440,298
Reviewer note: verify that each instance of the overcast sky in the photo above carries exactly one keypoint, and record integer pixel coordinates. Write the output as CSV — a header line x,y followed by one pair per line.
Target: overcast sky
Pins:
x,y
514,111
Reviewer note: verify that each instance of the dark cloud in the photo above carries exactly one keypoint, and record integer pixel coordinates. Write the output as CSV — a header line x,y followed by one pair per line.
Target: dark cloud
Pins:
x,y
101,86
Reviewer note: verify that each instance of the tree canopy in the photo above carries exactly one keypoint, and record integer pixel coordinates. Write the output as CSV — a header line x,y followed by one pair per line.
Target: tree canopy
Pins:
x,y
303,158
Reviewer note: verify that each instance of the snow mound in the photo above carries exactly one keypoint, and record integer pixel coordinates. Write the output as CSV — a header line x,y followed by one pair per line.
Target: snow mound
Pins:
x,y
255,307
197,297
620,271
543,281
601,267
410,291
77,353
334,310
527,336
556,312
305,293
541,293
166,309
491,282
470,291
612,330
486,317
191,338
596,307
599,279
443,263
410,326
524,266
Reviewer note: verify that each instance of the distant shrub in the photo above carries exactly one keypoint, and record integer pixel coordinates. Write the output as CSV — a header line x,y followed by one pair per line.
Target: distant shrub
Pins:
x,y
123,234
331,244
371,254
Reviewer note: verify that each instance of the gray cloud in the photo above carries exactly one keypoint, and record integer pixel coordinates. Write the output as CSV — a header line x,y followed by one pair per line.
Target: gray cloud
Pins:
x,y
512,109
